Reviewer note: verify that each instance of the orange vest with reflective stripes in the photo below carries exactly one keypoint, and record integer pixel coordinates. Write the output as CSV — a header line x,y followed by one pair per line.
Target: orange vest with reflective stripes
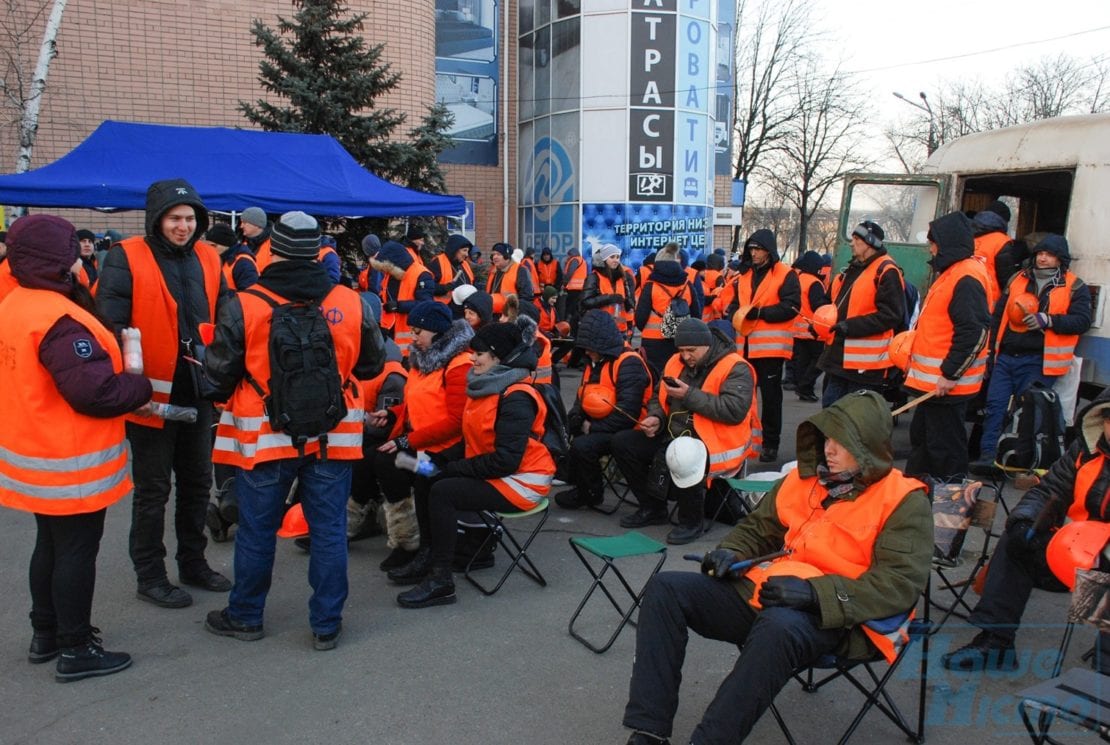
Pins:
x,y
607,379
574,272
661,298
839,539
54,460
767,339
406,290
1059,349
546,271
933,339
243,436
987,247
423,404
154,313
863,352
801,321
532,481
370,389
544,363
728,444
229,270
606,286
530,266
7,281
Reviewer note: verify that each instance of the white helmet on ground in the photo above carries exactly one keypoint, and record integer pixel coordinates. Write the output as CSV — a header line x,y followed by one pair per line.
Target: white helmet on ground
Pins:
x,y
686,460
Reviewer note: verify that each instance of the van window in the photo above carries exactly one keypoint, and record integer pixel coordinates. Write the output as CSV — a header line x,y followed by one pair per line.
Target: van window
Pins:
x,y
902,210
1038,200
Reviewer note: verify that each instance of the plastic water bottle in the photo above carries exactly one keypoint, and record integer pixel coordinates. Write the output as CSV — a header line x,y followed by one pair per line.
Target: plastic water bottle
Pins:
x,y
173,413
421,466
132,350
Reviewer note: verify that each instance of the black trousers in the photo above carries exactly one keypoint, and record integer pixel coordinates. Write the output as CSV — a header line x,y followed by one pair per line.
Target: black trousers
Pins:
x,y
63,574
452,495
806,354
181,452
639,459
938,440
768,373
775,641
658,352
364,476
584,461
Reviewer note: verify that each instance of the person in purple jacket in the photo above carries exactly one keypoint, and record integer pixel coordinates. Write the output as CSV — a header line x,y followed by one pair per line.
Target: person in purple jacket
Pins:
x,y
62,461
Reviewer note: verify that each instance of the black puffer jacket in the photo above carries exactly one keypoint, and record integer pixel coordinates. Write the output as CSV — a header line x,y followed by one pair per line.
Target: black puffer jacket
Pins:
x,y
225,362
790,294
592,296
181,271
1047,503
597,332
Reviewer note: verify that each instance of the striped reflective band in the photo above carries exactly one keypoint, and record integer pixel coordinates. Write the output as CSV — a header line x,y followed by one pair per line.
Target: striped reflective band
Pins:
x,y
520,484
161,386
69,491
62,465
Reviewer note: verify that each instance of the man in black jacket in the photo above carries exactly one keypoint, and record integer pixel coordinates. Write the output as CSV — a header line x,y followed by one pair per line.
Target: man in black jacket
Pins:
x,y
134,296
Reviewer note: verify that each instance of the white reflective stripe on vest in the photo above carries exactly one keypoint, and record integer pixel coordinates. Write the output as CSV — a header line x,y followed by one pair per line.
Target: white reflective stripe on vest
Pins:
x,y
866,350
543,371
1059,350
61,465
161,386
520,483
717,459
81,490
932,378
276,440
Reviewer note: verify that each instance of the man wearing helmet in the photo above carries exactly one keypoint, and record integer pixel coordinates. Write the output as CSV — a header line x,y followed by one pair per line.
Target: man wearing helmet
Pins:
x,y
813,598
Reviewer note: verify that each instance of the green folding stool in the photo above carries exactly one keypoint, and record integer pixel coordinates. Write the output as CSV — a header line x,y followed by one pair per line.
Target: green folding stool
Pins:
x,y
608,549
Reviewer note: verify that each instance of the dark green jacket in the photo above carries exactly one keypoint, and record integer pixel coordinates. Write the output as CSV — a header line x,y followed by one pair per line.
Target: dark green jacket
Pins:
x,y
903,550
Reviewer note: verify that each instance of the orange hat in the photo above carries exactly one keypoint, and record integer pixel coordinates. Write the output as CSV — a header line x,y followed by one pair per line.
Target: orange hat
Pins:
x,y
596,401
899,350
1076,546
1019,307
824,318
293,525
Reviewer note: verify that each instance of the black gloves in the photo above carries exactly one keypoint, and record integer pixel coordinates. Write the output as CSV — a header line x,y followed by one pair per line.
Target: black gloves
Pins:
x,y
391,306
788,592
840,328
753,314
718,563
1025,540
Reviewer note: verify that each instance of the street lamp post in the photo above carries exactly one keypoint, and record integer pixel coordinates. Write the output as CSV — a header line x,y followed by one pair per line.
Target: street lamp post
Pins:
x,y
931,143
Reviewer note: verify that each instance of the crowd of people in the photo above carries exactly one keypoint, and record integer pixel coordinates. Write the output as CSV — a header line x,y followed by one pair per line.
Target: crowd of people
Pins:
x,y
273,381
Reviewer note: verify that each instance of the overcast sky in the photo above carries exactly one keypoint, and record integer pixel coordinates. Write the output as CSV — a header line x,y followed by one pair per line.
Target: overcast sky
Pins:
x,y
898,45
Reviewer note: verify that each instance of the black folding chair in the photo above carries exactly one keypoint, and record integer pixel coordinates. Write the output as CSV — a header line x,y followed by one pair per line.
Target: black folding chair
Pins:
x,y
954,515
612,481
514,549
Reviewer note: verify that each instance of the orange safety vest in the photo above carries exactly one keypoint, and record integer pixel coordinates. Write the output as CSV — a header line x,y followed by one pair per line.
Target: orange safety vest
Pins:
x,y
1059,349
1085,476
406,290
263,256
987,247
229,269
547,272
840,539
544,363
802,320
446,276
531,267
660,301
423,404
606,286
370,389
56,461
8,281
574,271
503,281
711,289
728,444
933,339
767,339
532,481
607,379
864,352
154,313
547,316
243,436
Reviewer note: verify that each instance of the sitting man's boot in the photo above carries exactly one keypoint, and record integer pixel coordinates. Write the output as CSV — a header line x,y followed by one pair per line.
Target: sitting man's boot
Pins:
x,y
686,533
415,571
437,589
577,497
643,738
691,517
986,651
648,514
769,455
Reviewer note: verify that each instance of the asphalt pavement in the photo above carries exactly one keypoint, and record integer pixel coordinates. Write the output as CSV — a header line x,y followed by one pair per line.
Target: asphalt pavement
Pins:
x,y
494,670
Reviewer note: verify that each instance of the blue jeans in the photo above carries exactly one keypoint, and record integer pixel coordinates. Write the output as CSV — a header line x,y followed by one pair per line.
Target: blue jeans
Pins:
x,y
324,487
1011,376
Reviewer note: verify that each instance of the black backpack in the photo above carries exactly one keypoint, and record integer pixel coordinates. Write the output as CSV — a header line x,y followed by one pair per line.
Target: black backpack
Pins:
x,y
556,431
1033,432
306,392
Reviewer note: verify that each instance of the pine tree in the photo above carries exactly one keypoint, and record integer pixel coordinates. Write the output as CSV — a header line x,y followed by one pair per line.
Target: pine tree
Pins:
x,y
421,164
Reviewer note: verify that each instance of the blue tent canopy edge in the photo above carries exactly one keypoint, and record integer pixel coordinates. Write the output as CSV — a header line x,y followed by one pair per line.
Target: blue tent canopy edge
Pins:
x,y
232,169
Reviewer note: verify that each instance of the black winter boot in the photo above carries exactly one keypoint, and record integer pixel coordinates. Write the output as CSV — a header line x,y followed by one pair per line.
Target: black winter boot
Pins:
x,y
89,660
44,647
437,589
415,571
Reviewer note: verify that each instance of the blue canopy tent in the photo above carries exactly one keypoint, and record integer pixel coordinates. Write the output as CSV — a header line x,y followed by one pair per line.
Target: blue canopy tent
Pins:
x,y
231,168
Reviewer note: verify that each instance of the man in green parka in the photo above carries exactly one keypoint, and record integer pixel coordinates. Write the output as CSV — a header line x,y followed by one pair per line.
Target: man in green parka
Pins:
x,y
859,537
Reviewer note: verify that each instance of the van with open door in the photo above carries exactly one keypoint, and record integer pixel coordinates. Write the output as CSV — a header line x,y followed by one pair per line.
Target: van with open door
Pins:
x,y
1054,174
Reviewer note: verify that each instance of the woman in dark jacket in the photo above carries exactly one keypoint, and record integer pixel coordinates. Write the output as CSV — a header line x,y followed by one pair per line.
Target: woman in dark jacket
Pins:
x,y
506,469
610,288
64,395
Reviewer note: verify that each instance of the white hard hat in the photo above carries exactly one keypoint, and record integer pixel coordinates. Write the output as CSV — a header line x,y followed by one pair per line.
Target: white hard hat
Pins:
x,y
462,292
518,254
686,460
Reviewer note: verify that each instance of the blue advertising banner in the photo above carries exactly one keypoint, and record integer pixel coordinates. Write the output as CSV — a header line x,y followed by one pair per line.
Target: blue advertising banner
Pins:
x,y
640,229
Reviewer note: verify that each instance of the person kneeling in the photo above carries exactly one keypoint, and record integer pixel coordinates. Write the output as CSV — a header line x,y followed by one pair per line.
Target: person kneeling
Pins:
x,y
506,469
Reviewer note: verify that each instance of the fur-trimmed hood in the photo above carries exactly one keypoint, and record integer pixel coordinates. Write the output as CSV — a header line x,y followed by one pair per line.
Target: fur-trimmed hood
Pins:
x,y
443,349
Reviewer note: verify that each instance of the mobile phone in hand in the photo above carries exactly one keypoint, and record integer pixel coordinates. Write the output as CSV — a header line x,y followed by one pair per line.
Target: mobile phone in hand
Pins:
x,y
670,381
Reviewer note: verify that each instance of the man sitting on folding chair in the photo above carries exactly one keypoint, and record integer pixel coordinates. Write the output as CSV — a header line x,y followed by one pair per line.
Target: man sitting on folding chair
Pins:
x,y
1075,488
612,397
859,537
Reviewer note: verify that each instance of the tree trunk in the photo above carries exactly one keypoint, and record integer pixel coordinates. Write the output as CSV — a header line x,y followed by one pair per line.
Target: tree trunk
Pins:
x,y
29,123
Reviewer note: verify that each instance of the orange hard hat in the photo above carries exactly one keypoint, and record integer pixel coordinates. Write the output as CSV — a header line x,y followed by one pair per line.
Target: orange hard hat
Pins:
x,y
498,303
1076,546
741,322
563,329
899,349
780,568
1019,307
597,403
824,318
293,525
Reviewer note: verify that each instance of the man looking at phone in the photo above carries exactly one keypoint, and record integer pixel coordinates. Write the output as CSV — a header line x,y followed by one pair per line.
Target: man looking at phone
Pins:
x,y
706,393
